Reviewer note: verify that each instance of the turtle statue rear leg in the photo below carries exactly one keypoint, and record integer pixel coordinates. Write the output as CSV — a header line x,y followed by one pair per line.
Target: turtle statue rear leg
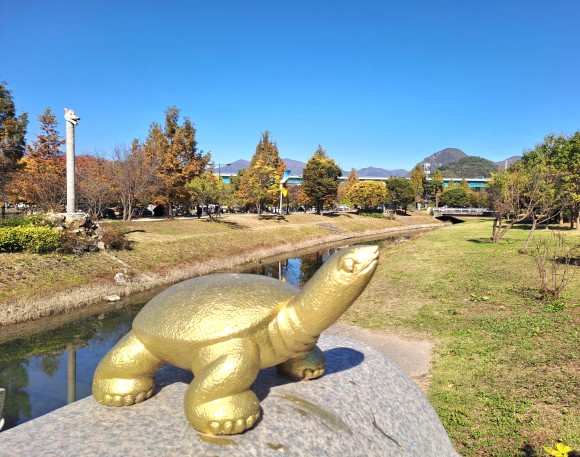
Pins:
x,y
219,400
309,366
126,373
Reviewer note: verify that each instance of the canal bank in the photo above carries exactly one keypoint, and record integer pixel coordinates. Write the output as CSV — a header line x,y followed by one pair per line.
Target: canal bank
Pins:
x,y
164,255
49,363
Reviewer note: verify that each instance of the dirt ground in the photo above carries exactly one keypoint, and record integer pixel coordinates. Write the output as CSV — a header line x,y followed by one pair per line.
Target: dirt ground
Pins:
x,y
413,355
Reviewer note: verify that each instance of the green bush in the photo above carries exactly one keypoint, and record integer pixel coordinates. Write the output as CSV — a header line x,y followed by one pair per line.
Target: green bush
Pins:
x,y
34,239
10,239
371,213
36,220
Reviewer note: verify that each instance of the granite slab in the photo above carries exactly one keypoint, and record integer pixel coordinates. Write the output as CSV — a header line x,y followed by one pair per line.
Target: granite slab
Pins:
x,y
364,405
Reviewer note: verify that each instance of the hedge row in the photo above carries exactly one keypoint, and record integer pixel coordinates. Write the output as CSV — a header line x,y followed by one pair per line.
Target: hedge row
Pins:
x,y
35,239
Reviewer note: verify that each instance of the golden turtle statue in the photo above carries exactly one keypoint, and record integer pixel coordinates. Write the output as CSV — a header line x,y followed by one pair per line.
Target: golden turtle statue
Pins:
x,y
225,328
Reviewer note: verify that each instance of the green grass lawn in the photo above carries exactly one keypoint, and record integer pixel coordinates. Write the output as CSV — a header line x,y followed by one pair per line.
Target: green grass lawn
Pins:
x,y
506,374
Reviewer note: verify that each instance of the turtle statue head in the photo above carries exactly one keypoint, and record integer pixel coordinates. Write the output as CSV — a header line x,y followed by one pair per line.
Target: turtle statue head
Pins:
x,y
225,328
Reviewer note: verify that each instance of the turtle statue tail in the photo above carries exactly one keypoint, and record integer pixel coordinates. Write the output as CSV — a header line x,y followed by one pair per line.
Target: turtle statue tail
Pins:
x,y
321,302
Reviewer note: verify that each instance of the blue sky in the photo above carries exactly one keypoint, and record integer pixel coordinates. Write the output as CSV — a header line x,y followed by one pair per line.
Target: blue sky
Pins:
x,y
381,83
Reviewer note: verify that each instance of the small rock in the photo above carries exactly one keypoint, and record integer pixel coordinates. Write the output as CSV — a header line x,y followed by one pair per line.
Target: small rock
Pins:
x,y
101,246
112,298
121,278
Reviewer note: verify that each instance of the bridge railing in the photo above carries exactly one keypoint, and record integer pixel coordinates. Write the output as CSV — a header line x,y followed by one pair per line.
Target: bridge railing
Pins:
x,y
457,211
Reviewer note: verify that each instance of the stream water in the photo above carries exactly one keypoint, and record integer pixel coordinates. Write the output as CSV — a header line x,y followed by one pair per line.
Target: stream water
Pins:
x,y
48,369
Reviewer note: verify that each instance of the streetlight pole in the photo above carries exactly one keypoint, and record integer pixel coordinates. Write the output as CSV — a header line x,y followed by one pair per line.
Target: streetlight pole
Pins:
x,y
220,169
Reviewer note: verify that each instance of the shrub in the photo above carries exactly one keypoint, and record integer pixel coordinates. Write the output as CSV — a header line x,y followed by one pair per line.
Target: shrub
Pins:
x,y
377,214
34,239
36,220
556,262
115,237
75,243
10,240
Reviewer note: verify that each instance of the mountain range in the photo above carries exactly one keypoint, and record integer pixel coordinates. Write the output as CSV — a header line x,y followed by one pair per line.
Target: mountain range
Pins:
x,y
434,161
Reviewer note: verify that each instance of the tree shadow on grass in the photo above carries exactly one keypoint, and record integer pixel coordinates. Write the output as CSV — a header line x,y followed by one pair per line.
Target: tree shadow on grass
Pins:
x,y
232,225
573,261
489,241
273,217
480,240
335,214
525,292
541,228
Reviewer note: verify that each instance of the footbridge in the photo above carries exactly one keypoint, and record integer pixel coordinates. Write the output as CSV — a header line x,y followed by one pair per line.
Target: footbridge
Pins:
x,y
462,212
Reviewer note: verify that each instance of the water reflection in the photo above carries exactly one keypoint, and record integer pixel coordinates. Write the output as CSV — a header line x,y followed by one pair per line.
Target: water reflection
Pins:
x,y
44,371
296,270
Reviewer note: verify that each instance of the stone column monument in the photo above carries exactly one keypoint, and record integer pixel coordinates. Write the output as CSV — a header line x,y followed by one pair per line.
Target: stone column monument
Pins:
x,y
71,120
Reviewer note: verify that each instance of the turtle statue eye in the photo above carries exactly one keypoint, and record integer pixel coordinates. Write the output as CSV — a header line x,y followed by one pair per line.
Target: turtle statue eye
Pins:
x,y
348,265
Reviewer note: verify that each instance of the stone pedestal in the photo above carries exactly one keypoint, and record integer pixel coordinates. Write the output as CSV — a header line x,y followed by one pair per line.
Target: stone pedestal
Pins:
x,y
364,406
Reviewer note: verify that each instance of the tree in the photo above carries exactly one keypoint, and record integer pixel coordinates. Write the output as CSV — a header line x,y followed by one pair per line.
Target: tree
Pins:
x,y
259,183
505,192
469,167
417,179
207,189
342,191
435,186
95,184
565,157
293,197
12,133
400,192
174,148
456,197
134,175
320,179
368,194
42,179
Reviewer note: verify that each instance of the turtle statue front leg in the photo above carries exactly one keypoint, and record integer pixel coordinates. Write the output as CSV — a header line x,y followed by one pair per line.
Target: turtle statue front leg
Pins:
x,y
309,366
126,373
219,400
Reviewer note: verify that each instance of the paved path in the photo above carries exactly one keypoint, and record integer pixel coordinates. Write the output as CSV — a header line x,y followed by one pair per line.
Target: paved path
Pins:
x,y
412,355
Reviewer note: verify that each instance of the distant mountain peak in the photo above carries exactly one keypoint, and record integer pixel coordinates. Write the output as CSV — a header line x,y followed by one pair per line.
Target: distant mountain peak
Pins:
x,y
375,172
295,166
507,162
